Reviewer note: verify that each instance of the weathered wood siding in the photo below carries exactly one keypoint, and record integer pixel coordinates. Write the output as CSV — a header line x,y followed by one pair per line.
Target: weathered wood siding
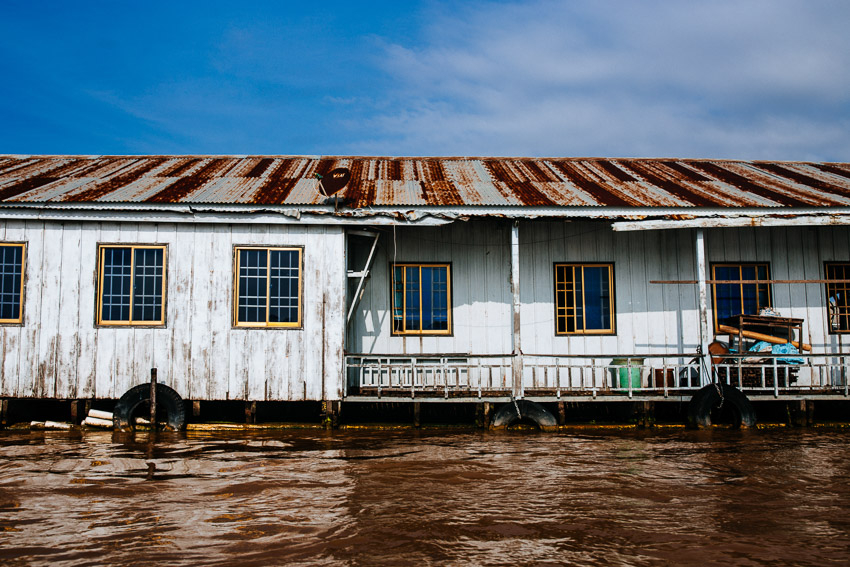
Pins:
x,y
650,318
59,352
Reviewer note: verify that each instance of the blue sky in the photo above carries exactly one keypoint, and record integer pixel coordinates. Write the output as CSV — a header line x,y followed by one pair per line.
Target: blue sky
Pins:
x,y
752,79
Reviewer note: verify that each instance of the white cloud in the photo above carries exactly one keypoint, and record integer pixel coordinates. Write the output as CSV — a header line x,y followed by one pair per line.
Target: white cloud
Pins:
x,y
751,80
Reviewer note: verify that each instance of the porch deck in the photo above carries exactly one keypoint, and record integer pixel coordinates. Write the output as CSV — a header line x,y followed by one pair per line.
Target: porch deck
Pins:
x,y
633,377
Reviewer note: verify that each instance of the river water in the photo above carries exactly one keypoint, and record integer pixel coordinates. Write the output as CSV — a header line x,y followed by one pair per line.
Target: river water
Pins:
x,y
309,497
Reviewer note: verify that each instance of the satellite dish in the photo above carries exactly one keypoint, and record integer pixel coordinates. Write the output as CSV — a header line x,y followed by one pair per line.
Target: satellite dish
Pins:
x,y
333,181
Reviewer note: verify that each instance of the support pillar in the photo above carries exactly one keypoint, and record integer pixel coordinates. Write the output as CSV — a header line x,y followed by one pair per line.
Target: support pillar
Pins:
x,y
516,342
4,412
702,277
562,413
417,422
75,412
645,414
250,412
196,408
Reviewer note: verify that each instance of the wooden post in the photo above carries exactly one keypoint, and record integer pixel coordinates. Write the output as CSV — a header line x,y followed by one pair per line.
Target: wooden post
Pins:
x,y
562,413
810,412
250,412
4,412
702,272
196,408
516,342
153,399
416,414
486,415
75,411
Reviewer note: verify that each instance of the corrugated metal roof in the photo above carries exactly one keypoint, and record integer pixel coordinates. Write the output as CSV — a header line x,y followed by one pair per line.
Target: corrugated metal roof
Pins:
x,y
411,182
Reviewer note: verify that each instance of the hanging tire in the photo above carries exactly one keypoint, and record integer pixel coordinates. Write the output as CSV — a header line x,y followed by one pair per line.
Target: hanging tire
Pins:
x,y
166,398
708,398
507,415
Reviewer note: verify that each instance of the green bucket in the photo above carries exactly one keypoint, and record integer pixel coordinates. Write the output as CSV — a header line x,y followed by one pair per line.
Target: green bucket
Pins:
x,y
629,370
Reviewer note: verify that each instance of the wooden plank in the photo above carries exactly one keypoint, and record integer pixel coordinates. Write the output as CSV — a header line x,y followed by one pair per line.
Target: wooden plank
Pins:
x,y
221,294
162,356
125,336
86,358
28,359
143,337
334,325
181,255
67,346
201,317
239,360
49,315
10,334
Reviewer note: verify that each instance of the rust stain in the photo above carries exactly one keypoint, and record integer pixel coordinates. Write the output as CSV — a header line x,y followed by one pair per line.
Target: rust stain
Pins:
x,y
602,194
833,169
744,184
278,185
180,167
611,169
513,185
685,172
116,183
187,185
260,167
803,179
441,181
645,171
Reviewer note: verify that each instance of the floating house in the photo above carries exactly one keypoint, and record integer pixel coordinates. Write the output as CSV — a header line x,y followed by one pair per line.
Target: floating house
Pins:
x,y
493,280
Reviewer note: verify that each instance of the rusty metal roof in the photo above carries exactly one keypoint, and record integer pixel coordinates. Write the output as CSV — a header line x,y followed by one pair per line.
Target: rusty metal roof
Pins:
x,y
411,182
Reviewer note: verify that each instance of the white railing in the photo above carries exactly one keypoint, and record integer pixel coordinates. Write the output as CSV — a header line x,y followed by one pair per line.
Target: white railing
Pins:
x,y
626,375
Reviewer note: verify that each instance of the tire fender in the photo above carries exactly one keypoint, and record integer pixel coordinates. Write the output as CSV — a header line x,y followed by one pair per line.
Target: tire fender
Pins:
x,y
708,397
507,414
166,397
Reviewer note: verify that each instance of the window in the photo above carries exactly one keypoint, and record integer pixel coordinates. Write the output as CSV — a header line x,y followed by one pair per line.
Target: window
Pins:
x,y
131,284
838,304
584,302
422,299
731,299
11,283
268,287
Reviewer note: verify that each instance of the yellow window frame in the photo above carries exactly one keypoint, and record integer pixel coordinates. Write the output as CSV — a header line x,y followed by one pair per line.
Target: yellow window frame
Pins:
x,y
563,312
236,282
101,249
20,319
741,266
404,330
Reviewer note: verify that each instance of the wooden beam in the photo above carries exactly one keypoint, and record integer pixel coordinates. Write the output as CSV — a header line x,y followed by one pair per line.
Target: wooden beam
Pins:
x,y
719,282
516,341
733,222
761,337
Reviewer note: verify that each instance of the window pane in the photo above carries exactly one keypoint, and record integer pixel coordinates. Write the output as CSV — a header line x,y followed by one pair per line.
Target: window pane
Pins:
x,y
838,305
283,286
596,298
398,299
435,313
11,267
732,299
115,296
253,273
412,306
583,299
147,284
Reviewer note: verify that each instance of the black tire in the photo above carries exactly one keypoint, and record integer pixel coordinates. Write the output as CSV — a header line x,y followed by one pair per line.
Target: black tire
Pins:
x,y
707,398
507,415
166,398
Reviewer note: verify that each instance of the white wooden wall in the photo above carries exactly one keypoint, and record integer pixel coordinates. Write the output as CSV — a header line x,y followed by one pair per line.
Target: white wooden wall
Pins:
x,y
650,318
60,353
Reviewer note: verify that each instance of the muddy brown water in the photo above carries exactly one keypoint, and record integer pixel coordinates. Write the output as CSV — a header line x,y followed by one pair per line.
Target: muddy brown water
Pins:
x,y
432,498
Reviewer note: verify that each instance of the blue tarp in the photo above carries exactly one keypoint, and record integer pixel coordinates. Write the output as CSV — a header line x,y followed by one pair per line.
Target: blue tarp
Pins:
x,y
786,348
